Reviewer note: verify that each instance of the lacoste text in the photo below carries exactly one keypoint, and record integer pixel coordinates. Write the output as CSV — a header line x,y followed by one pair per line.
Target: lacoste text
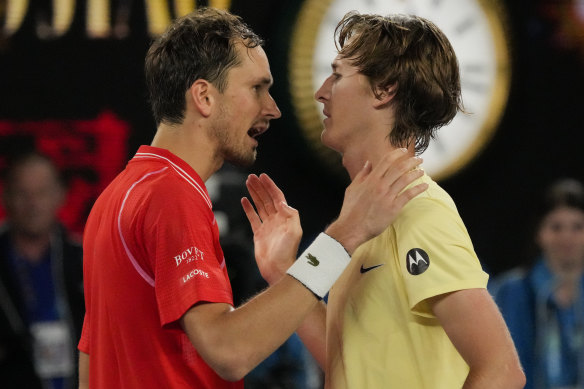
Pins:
x,y
193,273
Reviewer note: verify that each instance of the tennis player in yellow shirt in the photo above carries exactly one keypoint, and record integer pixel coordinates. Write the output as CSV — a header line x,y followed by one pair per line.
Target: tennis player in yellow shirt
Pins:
x,y
411,309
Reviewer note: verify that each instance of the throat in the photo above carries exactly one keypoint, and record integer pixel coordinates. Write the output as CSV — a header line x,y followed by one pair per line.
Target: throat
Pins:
x,y
32,248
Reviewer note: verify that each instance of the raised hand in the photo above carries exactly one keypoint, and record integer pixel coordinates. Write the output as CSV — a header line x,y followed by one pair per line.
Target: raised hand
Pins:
x,y
275,225
375,197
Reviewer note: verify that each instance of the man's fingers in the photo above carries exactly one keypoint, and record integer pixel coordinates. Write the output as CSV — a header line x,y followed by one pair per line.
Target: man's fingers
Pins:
x,y
263,191
394,164
392,160
403,198
268,200
271,187
404,180
253,187
400,168
252,216
287,210
261,198
364,172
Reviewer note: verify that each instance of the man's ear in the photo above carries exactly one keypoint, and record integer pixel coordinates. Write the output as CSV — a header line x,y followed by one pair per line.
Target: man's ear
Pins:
x,y
200,94
384,95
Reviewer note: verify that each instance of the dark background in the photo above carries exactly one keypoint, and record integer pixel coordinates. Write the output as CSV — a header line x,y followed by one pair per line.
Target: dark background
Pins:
x,y
72,78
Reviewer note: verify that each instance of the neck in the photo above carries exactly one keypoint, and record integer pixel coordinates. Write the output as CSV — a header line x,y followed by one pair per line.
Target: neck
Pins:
x,y
354,158
31,247
372,142
566,293
191,144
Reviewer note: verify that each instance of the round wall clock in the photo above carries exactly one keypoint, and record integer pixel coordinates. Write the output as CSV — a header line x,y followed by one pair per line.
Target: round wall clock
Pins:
x,y
476,30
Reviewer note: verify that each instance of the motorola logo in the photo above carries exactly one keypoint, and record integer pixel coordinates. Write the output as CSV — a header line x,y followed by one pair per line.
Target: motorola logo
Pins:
x,y
417,261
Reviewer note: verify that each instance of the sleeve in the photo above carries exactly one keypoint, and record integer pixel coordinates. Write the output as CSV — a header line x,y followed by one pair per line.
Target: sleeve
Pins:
x,y
187,260
435,253
83,345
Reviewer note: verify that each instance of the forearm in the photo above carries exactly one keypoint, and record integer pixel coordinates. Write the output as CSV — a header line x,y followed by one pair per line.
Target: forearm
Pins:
x,y
272,317
234,341
83,370
312,332
504,376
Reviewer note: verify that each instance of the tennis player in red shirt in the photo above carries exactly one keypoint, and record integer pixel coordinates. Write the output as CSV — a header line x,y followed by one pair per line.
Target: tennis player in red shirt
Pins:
x,y
159,306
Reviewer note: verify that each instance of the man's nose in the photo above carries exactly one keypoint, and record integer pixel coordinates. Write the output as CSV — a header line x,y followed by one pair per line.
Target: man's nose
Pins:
x,y
272,110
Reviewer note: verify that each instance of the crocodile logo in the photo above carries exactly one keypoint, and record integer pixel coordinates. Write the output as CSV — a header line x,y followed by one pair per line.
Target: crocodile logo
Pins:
x,y
312,260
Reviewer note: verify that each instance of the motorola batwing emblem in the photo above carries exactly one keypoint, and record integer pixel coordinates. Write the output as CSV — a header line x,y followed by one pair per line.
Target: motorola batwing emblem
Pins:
x,y
417,261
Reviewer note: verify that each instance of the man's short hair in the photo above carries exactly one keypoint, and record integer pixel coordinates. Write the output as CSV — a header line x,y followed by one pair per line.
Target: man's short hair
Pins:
x,y
199,45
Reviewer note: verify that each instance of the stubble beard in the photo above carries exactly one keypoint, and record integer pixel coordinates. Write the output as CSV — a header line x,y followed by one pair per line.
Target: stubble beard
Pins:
x,y
227,146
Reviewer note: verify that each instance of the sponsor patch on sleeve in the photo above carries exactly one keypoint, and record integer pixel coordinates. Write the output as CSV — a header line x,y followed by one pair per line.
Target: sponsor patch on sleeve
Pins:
x,y
417,261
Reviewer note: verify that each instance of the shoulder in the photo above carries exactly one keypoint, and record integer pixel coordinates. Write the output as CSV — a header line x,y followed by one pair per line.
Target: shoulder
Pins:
x,y
434,199
432,209
166,189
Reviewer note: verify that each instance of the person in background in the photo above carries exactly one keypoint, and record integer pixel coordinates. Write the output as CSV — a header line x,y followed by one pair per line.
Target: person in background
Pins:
x,y
159,303
41,286
412,309
543,305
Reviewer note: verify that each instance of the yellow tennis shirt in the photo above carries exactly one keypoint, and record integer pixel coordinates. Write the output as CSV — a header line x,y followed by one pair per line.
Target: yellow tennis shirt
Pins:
x,y
381,332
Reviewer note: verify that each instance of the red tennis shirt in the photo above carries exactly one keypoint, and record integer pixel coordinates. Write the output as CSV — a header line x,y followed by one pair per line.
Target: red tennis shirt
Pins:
x,y
151,251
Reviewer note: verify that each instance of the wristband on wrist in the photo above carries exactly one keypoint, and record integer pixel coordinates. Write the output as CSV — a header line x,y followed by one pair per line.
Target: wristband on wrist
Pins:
x,y
320,265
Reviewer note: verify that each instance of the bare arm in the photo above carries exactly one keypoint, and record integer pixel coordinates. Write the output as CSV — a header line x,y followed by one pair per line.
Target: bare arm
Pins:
x,y
312,332
475,326
83,370
234,341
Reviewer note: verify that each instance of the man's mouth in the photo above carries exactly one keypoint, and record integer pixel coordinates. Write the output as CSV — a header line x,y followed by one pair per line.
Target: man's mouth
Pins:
x,y
256,131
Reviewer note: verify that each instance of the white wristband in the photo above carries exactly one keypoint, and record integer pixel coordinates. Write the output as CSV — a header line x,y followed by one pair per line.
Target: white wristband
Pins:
x,y
320,265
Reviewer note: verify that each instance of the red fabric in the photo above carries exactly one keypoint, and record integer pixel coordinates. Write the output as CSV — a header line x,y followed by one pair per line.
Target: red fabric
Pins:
x,y
151,251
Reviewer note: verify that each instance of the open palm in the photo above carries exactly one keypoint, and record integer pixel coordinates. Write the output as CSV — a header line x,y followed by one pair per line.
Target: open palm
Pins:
x,y
275,225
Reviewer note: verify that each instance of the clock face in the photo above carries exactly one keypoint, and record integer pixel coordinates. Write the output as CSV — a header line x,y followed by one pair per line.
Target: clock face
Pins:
x,y
475,30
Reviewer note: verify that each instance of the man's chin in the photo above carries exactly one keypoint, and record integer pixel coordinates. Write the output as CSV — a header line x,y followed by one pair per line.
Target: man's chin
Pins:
x,y
242,160
327,142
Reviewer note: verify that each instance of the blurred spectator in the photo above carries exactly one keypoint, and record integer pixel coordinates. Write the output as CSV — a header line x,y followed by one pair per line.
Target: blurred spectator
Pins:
x,y
544,305
41,295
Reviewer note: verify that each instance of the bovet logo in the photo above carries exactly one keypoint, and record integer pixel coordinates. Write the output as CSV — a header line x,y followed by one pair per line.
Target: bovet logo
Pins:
x,y
189,255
